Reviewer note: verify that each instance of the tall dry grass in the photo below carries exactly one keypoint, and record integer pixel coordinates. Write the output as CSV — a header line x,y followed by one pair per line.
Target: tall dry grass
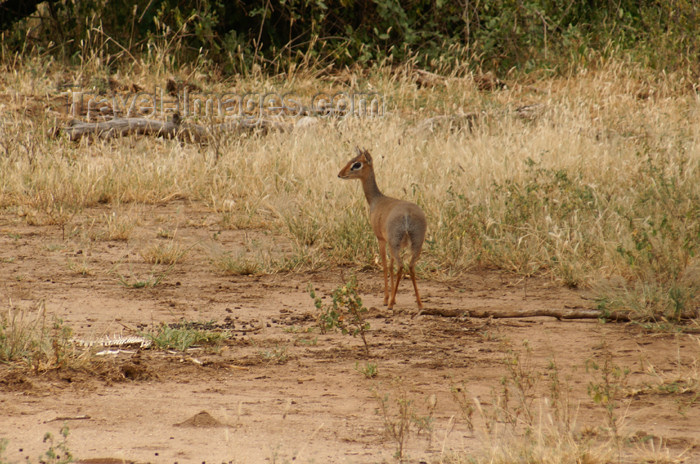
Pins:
x,y
597,186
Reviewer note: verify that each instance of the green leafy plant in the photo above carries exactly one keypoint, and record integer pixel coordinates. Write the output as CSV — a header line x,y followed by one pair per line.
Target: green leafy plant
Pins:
x,y
279,35
401,417
369,370
58,453
607,388
276,355
181,336
345,312
519,385
659,252
465,403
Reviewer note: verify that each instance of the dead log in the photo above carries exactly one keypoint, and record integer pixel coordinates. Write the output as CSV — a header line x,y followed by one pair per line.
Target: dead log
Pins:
x,y
559,314
530,112
451,122
488,82
424,78
521,313
174,128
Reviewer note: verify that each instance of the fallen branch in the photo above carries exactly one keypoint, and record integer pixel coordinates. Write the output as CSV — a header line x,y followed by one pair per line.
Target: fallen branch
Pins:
x,y
520,313
174,128
454,122
67,418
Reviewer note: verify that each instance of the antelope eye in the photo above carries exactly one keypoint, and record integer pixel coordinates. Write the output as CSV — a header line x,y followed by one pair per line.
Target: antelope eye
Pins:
x,y
356,166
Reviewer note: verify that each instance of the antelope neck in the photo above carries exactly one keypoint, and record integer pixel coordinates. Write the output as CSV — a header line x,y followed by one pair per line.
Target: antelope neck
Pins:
x,y
369,185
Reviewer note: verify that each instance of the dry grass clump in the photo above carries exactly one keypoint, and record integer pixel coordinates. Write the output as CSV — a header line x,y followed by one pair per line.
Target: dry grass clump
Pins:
x,y
680,379
533,418
29,339
169,253
239,264
119,225
600,181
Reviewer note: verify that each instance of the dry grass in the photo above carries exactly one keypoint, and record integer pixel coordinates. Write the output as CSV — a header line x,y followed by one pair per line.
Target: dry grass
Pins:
x,y
532,417
169,253
680,379
601,183
27,338
118,225
600,188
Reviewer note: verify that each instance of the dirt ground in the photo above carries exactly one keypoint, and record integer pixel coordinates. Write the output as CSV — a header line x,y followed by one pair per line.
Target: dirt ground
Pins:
x,y
276,393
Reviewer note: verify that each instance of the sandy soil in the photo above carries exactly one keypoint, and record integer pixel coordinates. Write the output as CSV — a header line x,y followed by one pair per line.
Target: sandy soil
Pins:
x,y
276,393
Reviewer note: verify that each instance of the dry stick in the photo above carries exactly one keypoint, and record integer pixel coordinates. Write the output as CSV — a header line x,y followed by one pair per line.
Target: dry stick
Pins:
x,y
110,39
121,127
67,418
557,313
514,313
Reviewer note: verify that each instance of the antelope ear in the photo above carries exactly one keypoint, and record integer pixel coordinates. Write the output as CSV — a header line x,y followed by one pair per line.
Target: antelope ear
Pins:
x,y
357,150
368,157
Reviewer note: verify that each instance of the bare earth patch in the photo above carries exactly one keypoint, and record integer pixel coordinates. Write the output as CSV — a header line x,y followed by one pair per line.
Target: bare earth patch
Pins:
x,y
275,392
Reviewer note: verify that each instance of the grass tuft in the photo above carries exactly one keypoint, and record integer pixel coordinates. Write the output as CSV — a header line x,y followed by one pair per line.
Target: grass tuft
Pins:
x,y
181,336
28,338
168,253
